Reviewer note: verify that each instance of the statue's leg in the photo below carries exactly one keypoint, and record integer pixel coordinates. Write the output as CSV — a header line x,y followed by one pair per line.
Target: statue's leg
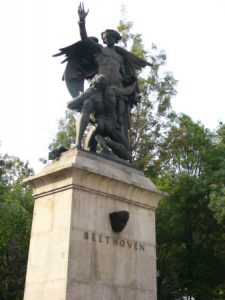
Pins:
x,y
118,149
123,117
82,122
117,142
120,111
90,142
102,143
118,136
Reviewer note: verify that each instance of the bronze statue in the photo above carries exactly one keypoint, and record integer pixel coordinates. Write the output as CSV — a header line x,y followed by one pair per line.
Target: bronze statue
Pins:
x,y
85,59
101,100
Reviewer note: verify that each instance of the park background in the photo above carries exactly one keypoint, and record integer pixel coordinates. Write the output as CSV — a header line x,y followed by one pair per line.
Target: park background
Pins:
x,y
185,159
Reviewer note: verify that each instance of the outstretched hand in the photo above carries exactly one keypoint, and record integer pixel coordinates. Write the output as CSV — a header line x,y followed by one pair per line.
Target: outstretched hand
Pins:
x,y
81,11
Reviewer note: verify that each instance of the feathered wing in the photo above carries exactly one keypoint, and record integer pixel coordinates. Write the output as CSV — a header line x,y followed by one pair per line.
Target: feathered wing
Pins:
x,y
81,64
131,61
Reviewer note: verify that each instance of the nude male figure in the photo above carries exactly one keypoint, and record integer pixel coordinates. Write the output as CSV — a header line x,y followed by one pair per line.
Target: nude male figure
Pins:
x,y
100,100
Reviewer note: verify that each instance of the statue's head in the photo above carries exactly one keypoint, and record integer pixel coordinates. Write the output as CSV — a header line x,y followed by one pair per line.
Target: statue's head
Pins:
x,y
99,82
110,37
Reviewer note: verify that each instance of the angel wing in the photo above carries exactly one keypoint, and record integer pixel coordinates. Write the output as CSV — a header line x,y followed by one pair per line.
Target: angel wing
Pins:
x,y
131,64
81,64
131,61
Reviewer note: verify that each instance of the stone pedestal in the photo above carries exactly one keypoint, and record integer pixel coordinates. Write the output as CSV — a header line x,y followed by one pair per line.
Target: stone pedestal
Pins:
x,y
74,253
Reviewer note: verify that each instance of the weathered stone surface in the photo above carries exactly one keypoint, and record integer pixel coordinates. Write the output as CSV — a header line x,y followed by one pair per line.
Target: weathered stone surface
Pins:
x,y
74,254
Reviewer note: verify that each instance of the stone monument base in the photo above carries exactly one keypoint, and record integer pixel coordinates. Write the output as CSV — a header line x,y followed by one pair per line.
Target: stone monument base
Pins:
x,y
74,252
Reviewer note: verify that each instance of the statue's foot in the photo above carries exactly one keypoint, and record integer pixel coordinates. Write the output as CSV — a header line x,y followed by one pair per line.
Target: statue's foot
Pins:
x,y
76,146
55,153
102,143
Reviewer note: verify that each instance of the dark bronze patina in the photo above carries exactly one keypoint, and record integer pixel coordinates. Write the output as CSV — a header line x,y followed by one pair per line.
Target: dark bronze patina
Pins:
x,y
112,93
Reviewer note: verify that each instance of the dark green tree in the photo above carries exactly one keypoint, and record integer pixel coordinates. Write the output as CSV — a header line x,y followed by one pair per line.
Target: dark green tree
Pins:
x,y
16,206
216,167
190,241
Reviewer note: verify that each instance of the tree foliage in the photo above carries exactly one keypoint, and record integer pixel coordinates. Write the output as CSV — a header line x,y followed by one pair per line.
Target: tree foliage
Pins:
x,y
151,115
216,167
66,133
16,207
184,148
190,240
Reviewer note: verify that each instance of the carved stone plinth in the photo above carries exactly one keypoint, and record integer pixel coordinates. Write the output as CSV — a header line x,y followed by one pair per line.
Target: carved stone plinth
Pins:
x,y
74,252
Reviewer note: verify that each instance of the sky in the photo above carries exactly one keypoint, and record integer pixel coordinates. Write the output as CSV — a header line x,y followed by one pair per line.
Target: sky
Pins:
x,y
32,95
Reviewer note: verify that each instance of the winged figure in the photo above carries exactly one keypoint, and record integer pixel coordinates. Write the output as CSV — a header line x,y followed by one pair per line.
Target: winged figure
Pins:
x,y
87,57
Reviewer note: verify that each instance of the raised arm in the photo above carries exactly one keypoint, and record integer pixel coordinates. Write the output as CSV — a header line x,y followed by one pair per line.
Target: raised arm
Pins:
x,y
82,16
